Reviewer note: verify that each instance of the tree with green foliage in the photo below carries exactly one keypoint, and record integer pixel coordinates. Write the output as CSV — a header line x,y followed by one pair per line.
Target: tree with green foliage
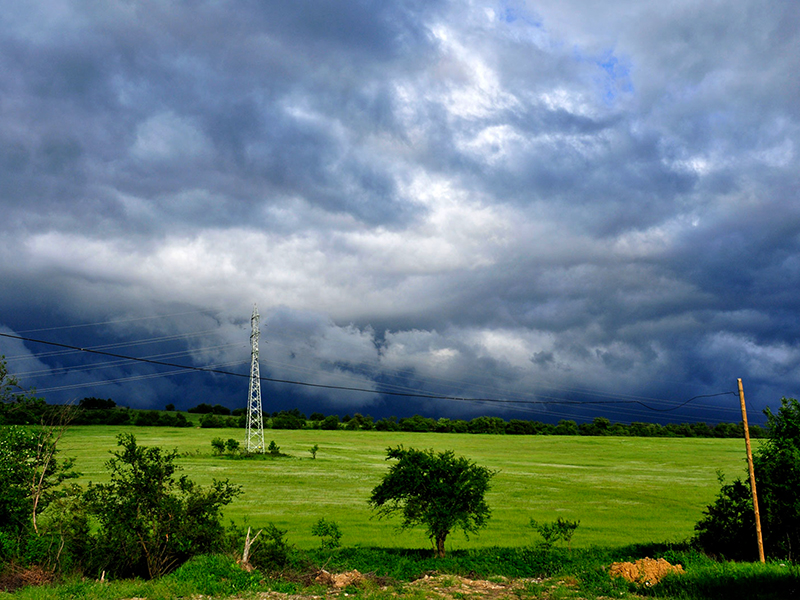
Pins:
x,y
30,472
728,525
777,467
30,476
330,423
150,520
439,491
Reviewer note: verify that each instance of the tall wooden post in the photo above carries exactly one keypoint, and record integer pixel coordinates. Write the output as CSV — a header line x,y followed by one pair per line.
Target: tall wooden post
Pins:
x,y
752,473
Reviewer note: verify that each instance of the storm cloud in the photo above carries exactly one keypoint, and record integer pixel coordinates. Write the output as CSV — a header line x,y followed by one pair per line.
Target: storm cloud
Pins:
x,y
531,201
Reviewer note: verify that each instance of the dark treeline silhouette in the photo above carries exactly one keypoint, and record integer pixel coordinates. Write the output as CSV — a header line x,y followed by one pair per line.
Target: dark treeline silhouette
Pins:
x,y
98,411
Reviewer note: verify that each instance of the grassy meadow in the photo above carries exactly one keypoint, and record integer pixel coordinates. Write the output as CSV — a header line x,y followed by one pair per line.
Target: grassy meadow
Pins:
x,y
624,490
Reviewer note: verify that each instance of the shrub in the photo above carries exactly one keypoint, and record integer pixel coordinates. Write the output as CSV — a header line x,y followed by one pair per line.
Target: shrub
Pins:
x,y
218,445
728,526
150,521
559,530
271,551
329,533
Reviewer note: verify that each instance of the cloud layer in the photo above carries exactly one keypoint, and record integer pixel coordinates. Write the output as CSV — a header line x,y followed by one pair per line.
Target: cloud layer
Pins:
x,y
499,199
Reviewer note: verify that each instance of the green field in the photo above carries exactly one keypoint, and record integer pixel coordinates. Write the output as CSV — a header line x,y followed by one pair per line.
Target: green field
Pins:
x,y
622,489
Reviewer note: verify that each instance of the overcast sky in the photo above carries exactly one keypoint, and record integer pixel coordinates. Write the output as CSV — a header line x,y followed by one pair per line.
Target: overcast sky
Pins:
x,y
535,201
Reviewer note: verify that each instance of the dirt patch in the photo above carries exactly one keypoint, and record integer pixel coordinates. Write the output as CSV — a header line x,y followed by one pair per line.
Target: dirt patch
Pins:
x,y
645,571
454,587
433,587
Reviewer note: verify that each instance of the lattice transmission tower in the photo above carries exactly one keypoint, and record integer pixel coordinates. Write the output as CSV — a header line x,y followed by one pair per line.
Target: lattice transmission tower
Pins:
x,y
255,419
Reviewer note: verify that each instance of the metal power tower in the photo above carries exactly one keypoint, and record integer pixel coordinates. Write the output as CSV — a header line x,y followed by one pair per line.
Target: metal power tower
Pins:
x,y
255,420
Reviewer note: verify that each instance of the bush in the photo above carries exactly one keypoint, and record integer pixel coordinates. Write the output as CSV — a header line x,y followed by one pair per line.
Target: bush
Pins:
x,y
218,446
728,526
150,522
329,532
559,530
271,551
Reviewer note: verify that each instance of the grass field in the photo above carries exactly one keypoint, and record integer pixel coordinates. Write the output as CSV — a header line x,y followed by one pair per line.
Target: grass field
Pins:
x,y
623,490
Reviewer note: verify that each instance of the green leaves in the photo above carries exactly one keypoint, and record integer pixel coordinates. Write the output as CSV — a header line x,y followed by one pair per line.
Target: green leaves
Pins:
x,y
439,491
150,520
728,525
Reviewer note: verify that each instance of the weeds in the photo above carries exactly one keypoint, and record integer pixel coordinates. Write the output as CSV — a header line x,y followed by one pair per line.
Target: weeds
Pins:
x,y
551,573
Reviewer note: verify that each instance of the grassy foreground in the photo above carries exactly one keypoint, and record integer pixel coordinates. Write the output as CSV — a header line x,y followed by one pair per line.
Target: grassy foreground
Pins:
x,y
622,490
482,574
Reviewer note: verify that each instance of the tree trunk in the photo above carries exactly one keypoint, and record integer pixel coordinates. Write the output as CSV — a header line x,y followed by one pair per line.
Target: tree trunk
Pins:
x,y
440,544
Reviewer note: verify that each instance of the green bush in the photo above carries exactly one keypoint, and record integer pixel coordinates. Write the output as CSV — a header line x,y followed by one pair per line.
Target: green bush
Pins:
x,y
727,528
728,525
329,532
271,551
559,530
151,521
218,445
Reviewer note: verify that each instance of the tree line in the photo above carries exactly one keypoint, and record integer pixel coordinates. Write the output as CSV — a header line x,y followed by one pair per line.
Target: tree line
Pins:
x,y
98,411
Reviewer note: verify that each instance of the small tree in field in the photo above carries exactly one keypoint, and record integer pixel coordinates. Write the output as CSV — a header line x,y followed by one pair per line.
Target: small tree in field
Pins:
x,y
440,491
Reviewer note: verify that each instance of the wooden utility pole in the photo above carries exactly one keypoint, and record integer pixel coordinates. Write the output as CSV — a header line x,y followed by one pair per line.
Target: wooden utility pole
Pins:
x,y
752,473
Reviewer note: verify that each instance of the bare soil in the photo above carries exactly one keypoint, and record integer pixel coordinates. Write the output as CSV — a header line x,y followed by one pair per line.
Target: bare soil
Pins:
x,y
436,587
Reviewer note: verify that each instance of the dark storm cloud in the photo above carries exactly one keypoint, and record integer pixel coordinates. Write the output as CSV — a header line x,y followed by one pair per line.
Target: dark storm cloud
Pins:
x,y
487,200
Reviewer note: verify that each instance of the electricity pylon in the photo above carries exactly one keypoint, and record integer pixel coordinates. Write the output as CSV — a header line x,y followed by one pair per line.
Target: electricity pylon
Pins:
x,y
255,420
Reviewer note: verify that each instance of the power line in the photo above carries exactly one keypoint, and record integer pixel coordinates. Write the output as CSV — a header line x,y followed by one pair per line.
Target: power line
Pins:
x,y
550,399
191,312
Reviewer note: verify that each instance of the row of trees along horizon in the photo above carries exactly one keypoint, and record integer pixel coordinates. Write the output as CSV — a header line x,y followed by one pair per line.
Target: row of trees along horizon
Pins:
x,y
99,411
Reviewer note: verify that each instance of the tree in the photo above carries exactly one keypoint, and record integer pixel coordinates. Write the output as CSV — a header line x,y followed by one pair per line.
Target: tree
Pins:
x,y
728,525
440,491
30,475
150,521
16,406
777,467
30,472
331,423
